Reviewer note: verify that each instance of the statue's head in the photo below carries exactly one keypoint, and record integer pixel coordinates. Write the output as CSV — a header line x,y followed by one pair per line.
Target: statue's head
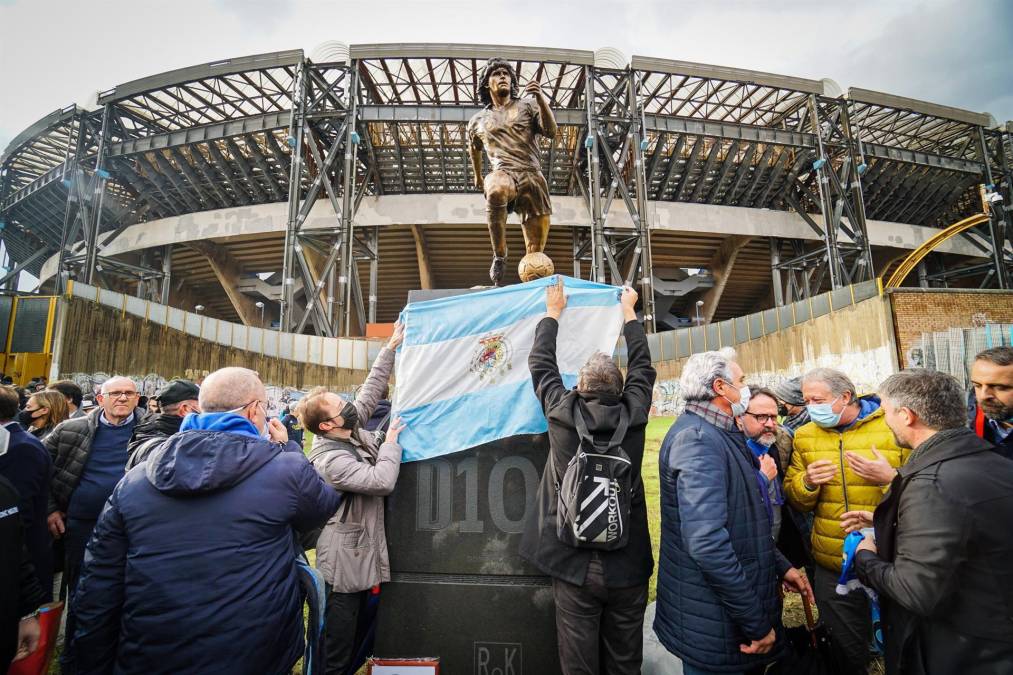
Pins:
x,y
495,66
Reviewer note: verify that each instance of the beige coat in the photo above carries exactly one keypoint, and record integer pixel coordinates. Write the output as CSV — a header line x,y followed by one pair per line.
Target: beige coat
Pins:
x,y
352,548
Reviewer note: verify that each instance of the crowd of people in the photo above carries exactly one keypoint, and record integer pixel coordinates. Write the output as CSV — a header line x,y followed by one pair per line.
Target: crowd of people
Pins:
x,y
176,529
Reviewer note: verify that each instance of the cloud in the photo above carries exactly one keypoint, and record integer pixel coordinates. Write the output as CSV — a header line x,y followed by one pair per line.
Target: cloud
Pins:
x,y
944,51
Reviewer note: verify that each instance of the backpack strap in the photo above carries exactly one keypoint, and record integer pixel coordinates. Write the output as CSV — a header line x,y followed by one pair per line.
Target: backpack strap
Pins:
x,y
346,498
580,424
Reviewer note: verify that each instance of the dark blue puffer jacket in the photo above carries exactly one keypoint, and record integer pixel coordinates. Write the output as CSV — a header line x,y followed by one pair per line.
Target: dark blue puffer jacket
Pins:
x,y
719,570
191,568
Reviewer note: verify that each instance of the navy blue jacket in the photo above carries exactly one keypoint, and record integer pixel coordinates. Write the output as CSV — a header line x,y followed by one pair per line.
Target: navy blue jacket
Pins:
x,y
191,567
719,569
28,466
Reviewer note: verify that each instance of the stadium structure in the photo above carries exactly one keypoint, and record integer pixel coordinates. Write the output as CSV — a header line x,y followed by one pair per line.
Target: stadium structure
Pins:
x,y
311,193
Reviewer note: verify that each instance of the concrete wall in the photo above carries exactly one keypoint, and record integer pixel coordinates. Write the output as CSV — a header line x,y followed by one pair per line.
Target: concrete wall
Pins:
x,y
857,339
96,341
469,209
917,311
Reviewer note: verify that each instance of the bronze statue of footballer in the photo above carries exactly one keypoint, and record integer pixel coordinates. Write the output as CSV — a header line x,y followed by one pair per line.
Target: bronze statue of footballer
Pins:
x,y
508,130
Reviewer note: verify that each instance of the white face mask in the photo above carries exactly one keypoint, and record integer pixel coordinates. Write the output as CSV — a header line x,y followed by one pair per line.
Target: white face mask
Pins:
x,y
739,409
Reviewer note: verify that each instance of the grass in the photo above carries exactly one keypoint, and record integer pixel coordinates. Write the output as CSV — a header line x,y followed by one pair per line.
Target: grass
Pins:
x,y
656,430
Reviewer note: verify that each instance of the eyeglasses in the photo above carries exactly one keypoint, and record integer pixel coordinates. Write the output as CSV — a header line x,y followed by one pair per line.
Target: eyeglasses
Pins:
x,y
120,394
763,419
261,404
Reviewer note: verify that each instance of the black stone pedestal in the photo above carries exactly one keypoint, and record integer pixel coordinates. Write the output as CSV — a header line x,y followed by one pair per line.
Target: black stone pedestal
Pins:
x,y
459,590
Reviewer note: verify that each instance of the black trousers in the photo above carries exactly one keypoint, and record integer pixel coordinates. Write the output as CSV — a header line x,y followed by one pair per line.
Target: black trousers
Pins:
x,y
341,634
848,618
75,539
599,629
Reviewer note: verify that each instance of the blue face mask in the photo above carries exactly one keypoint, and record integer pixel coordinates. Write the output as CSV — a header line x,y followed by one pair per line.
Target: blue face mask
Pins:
x,y
823,414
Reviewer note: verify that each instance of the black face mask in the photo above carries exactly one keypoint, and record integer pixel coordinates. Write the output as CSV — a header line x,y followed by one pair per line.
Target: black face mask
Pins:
x,y
782,410
350,415
26,418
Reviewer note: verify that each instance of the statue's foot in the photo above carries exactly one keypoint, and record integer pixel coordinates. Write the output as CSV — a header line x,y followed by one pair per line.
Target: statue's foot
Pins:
x,y
497,269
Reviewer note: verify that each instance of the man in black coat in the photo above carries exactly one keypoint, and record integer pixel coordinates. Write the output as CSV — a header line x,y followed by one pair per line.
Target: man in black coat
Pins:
x,y
27,465
990,411
600,595
20,594
176,400
941,558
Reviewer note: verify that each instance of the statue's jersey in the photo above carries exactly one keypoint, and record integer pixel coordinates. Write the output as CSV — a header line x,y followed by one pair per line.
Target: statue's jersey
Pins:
x,y
509,135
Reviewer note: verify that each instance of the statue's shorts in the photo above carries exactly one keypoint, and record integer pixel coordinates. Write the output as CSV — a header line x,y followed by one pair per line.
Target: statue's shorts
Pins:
x,y
532,194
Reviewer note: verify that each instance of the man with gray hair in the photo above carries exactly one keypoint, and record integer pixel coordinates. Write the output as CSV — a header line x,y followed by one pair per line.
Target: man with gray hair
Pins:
x,y
89,455
191,567
842,461
940,560
718,604
600,594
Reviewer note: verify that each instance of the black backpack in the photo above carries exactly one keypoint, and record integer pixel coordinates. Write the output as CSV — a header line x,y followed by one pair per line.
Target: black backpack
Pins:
x,y
593,499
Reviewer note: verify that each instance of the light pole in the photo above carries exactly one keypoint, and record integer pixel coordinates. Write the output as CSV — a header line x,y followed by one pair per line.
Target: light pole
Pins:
x,y
260,305
699,320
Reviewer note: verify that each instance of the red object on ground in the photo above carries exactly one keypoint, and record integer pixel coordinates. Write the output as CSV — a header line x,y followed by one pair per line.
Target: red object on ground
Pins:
x,y
37,663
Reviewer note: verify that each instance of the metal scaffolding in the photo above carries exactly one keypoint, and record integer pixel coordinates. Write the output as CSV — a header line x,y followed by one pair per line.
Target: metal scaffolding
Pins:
x,y
391,119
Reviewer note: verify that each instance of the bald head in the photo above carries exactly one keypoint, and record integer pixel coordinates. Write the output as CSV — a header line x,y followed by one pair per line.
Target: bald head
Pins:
x,y
230,388
118,383
118,397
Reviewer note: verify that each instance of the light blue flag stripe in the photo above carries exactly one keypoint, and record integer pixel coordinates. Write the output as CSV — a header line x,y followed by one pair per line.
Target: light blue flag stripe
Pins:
x,y
473,419
477,313
438,425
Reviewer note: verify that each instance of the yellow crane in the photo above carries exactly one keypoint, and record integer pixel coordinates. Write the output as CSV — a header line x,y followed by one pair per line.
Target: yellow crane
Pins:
x,y
953,230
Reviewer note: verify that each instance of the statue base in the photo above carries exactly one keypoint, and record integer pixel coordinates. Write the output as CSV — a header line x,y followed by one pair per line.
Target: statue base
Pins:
x,y
459,589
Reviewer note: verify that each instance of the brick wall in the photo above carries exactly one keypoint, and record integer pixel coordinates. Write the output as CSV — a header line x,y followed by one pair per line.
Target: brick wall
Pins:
x,y
915,313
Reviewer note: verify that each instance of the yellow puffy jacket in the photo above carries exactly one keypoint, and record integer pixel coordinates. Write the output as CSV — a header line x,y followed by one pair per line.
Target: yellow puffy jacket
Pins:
x,y
846,491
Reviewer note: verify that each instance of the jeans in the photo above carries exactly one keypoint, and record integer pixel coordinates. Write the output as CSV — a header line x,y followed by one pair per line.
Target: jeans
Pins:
x,y
340,634
599,629
75,539
848,619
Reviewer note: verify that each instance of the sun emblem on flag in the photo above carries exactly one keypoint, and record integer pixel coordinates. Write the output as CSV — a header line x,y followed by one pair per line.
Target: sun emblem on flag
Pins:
x,y
491,358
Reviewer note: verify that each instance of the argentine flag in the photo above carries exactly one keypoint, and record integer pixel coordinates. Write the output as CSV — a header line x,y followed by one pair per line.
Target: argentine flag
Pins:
x,y
462,371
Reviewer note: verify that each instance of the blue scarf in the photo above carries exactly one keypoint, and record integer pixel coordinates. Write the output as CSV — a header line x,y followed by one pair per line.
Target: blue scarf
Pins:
x,y
229,422
759,450
849,581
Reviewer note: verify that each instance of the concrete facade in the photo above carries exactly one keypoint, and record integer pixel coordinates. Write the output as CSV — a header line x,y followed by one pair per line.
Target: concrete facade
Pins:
x,y
469,209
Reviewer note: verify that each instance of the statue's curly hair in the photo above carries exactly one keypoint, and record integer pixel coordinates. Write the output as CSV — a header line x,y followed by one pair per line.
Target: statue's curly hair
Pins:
x,y
483,84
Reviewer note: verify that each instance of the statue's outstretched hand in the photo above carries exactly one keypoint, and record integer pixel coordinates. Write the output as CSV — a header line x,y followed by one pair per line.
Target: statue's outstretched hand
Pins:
x,y
534,88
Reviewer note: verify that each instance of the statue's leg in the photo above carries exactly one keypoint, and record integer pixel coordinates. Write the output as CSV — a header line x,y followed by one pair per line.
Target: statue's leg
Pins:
x,y
536,233
499,192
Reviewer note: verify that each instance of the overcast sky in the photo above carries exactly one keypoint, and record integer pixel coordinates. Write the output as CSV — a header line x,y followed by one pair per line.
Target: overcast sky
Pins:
x,y
54,53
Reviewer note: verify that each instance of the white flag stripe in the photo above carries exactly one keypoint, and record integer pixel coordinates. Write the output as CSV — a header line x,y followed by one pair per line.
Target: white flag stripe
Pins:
x,y
442,370
455,357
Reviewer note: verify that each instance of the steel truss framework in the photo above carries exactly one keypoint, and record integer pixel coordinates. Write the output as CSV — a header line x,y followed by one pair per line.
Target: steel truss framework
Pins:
x,y
391,119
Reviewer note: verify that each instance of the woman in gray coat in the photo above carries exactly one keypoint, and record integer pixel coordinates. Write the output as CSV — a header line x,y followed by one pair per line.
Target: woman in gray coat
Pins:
x,y
352,548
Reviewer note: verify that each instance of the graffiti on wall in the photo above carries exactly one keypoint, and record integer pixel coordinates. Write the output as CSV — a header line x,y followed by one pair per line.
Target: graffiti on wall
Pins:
x,y
278,398
867,369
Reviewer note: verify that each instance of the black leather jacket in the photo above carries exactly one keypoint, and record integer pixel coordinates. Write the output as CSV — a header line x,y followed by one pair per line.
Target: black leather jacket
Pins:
x,y
943,569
